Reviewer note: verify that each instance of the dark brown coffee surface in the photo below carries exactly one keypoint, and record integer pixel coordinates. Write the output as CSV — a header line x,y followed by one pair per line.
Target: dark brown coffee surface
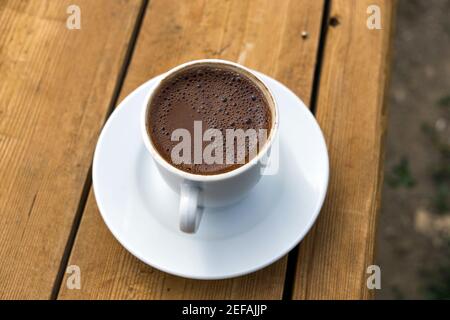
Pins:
x,y
218,97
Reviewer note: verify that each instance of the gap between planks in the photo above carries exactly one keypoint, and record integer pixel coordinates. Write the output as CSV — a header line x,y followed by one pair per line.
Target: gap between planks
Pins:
x,y
88,181
291,267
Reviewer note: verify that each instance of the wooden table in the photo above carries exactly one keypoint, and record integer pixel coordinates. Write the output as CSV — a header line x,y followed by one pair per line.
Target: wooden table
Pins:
x,y
58,86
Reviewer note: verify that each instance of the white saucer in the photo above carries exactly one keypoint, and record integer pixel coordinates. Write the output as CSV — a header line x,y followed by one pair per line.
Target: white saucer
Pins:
x,y
141,211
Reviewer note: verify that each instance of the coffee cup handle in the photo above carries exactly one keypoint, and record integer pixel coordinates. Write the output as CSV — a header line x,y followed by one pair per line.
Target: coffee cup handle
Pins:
x,y
190,212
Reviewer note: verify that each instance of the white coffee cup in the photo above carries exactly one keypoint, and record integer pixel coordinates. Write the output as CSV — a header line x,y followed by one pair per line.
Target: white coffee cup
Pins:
x,y
199,191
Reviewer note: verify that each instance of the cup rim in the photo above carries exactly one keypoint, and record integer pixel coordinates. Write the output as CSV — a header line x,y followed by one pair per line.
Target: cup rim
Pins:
x,y
213,177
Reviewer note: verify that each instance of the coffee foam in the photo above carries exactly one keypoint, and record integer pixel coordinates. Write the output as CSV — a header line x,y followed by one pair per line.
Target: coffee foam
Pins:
x,y
218,97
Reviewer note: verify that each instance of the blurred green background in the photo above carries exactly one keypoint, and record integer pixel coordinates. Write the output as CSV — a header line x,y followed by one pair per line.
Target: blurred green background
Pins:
x,y
413,247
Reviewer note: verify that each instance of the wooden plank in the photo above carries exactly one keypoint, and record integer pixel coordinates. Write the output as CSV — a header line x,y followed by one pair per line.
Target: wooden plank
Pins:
x,y
56,87
262,34
334,257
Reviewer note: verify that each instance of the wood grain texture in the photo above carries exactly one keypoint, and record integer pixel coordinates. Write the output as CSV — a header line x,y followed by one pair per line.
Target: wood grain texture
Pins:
x,y
261,34
334,257
56,86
